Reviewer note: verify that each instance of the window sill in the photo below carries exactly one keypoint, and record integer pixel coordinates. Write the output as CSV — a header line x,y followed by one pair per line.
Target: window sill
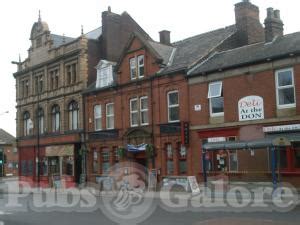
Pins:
x,y
286,106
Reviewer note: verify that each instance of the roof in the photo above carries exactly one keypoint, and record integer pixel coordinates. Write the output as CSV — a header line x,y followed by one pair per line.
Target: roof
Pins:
x,y
280,47
164,51
94,34
6,138
193,49
59,40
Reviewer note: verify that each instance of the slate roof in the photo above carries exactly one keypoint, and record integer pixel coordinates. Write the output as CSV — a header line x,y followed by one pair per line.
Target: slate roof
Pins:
x,y
6,138
193,49
94,34
164,51
280,47
59,40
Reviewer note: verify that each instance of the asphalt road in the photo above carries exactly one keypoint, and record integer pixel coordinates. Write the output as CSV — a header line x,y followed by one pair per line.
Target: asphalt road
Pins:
x,y
158,217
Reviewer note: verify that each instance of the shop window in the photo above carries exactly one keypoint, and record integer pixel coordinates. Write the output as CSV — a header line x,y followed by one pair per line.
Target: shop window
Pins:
x,y
105,161
116,154
29,167
44,166
173,106
97,117
55,118
73,115
233,160
182,159
110,117
285,88
95,161
170,160
216,99
297,157
24,168
68,165
53,165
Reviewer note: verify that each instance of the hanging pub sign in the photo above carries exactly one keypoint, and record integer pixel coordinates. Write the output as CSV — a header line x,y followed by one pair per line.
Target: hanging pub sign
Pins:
x,y
251,108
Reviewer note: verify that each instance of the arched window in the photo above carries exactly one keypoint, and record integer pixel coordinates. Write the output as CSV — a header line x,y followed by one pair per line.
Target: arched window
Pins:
x,y
40,120
73,115
55,118
26,123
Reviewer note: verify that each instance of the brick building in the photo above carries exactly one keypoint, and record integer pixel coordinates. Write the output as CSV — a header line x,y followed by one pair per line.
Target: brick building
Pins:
x,y
50,125
136,108
249,97
8,155
138,103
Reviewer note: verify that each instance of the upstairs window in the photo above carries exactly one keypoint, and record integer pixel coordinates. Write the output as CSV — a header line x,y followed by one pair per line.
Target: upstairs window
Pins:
x,y
25,88
55,118
97,117
137,67
216,100
71,71
73,115
134,113
144,110
110,116
40,121
285,88
104,74
173,106
54,79
141,66
139,111
26,123
39,84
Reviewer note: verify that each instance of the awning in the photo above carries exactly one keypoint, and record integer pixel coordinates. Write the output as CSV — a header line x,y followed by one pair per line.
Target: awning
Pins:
x,y
273,141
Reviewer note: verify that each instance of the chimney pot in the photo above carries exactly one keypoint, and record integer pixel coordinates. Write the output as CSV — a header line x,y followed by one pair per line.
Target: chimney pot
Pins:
x,y
164,37
273,25
277,14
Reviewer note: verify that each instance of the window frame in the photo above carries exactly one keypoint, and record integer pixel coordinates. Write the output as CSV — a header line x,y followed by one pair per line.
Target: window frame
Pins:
x,y
55,117
134,112
133,67
41,120
211,97
98,118
173,106
73,110
291,69
26,121
144,110
138,66
108,116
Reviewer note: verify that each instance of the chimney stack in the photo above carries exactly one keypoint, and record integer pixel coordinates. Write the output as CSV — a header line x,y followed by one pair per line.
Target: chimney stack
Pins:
x,y
273,24
164,37
249,28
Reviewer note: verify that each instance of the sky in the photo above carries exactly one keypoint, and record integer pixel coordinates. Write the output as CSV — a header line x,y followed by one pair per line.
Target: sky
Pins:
x,y
183,18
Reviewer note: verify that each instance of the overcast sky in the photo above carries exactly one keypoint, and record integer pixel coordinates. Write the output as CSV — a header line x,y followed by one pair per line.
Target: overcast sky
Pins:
x,y
183,18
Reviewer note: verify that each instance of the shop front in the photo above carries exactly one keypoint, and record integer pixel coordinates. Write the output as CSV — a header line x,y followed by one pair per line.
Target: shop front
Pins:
x,y
257,153
58,163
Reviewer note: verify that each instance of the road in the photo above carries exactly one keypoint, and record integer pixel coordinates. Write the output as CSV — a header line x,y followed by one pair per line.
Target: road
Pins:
x,y
158,217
